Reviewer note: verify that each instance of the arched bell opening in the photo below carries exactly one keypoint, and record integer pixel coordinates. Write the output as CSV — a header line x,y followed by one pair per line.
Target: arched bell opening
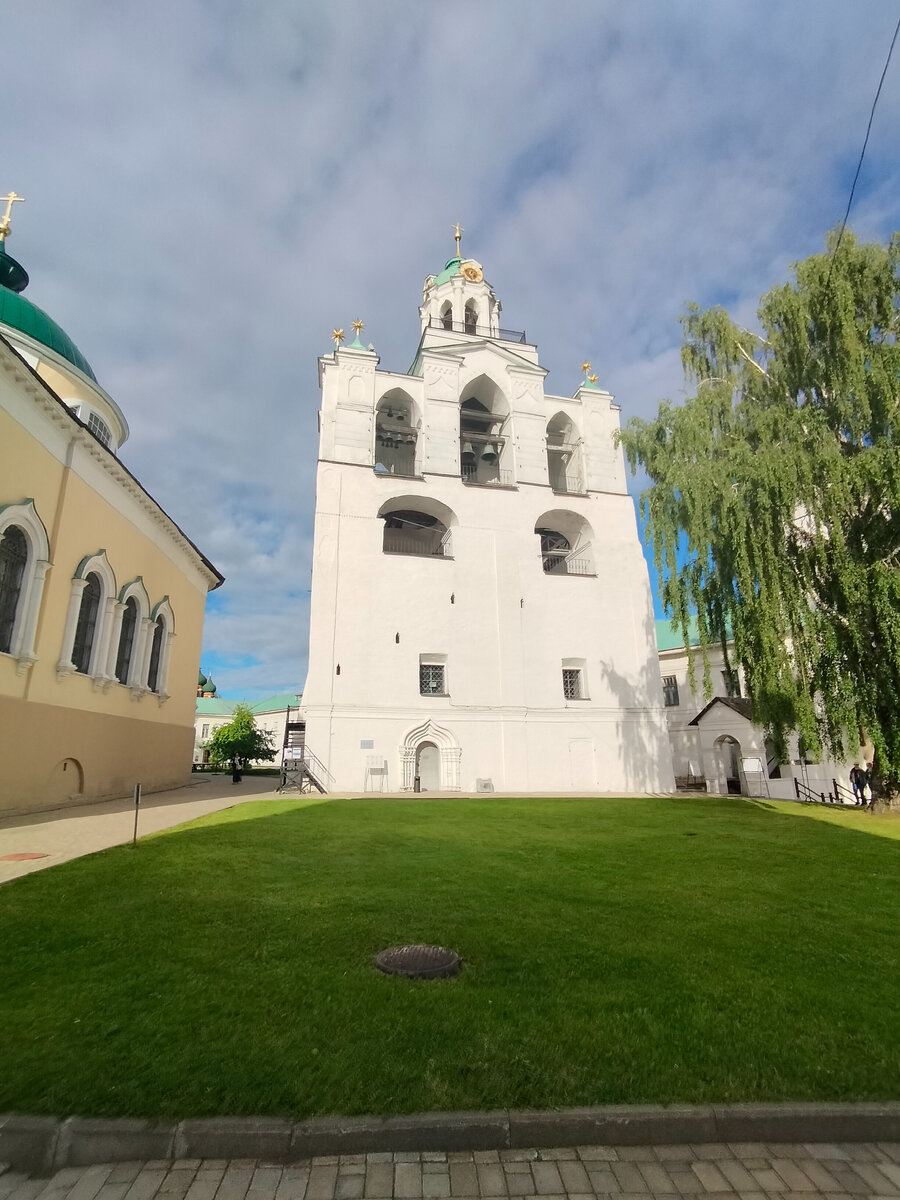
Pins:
x,y
418,526
566,543
564,465
470,317
484,452
396,434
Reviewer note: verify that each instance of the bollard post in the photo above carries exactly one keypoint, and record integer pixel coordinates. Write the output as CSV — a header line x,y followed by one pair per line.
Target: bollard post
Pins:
x,y
137,805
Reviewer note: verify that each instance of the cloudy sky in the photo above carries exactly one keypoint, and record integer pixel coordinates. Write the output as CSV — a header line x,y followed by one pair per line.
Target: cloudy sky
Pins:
x,y
213,185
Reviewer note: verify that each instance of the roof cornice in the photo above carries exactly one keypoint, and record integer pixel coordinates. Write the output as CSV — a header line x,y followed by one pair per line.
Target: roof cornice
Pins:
x,y
60,414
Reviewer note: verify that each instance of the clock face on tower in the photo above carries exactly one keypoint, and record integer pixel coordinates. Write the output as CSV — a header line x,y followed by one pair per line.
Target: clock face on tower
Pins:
x,y
472,271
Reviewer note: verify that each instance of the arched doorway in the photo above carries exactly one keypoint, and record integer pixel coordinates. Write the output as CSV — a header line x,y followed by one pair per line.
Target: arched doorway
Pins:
x,y
728,765
431,753
428,767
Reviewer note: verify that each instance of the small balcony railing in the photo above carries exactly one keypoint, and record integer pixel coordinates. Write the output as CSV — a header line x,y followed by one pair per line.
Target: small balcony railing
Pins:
x,y
503,335
486,476
569,485
555,564
428,544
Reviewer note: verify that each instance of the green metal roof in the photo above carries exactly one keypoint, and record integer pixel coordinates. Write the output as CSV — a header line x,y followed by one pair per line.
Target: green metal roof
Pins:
x,y
276,703
668,638
212,706
451,269
21,314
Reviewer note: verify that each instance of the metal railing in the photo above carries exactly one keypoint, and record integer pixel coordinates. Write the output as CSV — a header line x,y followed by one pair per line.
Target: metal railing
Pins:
x,y
808,796
503,335
844,795
486,476
555,565
428,544
568,486
302,771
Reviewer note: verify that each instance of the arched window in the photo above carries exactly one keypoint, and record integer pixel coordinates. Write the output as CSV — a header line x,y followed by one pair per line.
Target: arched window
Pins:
x,y
484,453
396,434
418,526
129,634
127,639
471,317
24,562
447,315
565,540
86,628
156,645
99,429
157,649
564,466
88,644
13,561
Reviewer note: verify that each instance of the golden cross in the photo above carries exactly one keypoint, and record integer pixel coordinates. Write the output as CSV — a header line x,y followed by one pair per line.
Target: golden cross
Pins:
x,y
358,326
585,366
4,224
338,336
459,231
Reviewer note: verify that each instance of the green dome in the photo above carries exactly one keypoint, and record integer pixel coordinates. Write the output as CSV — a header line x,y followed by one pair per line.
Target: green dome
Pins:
x,y
451,269
201,680
209,687
21,314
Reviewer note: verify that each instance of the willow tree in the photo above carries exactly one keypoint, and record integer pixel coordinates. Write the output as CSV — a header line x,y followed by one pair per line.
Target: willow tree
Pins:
x,y
774,500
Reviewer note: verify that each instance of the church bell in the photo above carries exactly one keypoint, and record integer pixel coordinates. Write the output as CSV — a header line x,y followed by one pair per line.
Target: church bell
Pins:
x,y
468,454
489,454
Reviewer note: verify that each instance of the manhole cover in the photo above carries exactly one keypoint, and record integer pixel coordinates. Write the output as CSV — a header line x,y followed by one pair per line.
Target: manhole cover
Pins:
x,y
418,962
21,857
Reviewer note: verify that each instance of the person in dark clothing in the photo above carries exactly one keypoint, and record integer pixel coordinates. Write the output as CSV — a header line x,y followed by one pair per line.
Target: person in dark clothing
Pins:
x,y
236,770
858,783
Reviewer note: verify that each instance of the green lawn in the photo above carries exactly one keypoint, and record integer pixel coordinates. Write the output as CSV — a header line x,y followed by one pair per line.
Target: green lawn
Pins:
x,y
616,951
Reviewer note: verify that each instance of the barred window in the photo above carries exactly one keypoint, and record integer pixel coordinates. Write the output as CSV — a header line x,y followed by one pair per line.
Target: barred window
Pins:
x,y
205,733
431,679
99,428
670,691
572,683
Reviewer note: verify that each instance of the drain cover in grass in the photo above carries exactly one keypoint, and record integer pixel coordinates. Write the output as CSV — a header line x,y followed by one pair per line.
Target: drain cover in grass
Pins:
x,y
418,962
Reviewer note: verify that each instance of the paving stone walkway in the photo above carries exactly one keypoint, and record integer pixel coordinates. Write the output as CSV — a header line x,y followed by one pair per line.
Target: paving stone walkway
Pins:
x,y
749,1171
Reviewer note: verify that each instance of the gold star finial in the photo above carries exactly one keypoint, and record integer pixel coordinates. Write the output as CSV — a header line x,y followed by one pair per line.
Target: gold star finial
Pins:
x,y
458,231
358,327
10,199
592,378
585,366
337,336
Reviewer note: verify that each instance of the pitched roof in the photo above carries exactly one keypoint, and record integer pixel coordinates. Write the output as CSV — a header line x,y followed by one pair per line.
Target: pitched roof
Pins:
x,y
737,703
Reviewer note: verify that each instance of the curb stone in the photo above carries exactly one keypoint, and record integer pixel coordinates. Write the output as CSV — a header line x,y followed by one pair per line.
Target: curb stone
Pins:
x,y
41,1145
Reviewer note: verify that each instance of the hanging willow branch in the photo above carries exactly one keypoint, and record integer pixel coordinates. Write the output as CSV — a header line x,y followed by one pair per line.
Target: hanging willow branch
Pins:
x,y
773,499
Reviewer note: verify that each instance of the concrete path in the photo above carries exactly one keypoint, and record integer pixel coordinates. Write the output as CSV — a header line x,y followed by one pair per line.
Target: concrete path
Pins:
x,y
749,1171
66,833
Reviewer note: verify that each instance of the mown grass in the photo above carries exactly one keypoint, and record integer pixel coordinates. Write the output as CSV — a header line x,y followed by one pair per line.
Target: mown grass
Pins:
x,y
616,951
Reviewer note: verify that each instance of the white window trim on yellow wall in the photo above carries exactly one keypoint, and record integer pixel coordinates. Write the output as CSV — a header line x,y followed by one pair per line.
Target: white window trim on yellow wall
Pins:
x,y
163,609
98,564
25,517
137,592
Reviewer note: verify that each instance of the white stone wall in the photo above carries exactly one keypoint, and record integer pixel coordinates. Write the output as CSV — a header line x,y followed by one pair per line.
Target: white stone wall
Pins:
x,y
501,625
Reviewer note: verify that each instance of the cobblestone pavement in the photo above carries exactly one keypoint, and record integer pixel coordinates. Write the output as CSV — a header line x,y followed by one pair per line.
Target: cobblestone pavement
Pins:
x,y
747,1171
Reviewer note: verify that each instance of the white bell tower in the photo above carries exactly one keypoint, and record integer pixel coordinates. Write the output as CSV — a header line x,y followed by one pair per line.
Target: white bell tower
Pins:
x,y
481,616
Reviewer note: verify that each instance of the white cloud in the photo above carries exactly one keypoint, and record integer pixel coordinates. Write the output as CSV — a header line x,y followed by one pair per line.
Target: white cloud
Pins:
x,y
212,186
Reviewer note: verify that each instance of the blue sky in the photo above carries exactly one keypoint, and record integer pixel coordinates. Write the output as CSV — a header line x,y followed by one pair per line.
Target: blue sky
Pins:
x,y
212,186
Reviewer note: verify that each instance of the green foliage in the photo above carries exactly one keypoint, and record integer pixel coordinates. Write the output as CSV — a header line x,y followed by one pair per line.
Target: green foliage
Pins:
x,y
781,477
240,739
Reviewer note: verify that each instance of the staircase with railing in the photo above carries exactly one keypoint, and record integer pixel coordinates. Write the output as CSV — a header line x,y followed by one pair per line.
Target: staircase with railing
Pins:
x,y
301,770
808,796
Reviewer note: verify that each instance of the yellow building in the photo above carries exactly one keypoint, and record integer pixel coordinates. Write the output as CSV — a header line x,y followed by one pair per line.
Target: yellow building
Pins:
x,y
101,594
